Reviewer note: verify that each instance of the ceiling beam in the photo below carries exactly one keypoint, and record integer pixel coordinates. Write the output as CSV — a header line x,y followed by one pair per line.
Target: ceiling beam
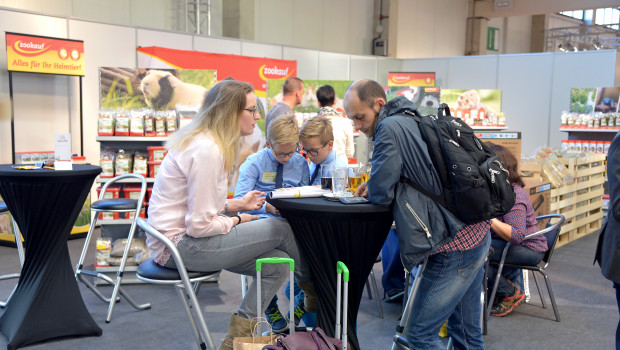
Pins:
x,y
486,8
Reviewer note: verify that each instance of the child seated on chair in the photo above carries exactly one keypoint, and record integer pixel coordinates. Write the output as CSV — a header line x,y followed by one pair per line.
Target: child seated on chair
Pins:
x,y
512,227
277,166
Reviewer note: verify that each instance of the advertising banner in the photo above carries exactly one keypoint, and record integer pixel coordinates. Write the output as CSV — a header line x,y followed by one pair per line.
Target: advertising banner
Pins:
x,y
477,107
39,54
158,89
411,79
588,100
254,70
425,98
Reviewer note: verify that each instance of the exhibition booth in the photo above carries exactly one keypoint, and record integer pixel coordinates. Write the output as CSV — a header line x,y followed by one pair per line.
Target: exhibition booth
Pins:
x,y
537,105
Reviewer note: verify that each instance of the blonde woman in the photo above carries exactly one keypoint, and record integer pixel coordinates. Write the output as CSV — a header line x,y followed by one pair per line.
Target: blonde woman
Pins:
x,y
189,204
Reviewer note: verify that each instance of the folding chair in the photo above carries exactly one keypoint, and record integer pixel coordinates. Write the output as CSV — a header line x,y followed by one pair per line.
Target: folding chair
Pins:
x,y
149,271
20,251
551,232
115,205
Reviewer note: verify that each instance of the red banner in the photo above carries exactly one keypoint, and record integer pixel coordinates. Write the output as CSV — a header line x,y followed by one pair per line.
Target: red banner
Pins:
x,y
254,70
411,79
40,54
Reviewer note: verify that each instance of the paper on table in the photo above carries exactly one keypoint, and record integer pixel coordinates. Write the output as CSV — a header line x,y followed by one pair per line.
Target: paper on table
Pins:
x,y
299,192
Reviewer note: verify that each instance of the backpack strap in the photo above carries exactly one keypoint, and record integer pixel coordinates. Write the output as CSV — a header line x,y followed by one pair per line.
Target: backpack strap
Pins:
x,y
439,199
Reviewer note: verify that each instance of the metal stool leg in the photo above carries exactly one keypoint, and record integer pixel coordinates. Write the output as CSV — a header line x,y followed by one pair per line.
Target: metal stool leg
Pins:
x,y
399,342
20,252
119,275
376,290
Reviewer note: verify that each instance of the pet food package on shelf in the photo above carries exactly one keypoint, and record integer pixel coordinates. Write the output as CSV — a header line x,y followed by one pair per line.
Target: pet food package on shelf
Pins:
x,y
122,163
136,122
139,163
103,252
105,124
106,162
121,123
153,168
186,114
171,121
160,123
137,246
149,123
157,153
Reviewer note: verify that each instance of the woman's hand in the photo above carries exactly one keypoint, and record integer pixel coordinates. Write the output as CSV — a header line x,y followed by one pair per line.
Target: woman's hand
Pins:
x,y
247,218
253,200
501,229
271,209
362,190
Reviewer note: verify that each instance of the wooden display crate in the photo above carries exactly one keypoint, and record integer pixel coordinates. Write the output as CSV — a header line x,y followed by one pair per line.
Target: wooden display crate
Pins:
x,y
581,202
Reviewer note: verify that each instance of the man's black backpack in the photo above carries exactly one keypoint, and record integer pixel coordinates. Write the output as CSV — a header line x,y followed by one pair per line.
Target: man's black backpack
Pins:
x,y
475,182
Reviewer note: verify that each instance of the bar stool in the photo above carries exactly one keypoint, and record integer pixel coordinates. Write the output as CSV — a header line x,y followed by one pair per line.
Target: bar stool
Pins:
x,y
149,271
115,205
20,252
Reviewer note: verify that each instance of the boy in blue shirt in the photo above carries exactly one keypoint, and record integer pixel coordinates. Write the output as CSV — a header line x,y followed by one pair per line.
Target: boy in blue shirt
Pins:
x,y
317,140
260,170
277,166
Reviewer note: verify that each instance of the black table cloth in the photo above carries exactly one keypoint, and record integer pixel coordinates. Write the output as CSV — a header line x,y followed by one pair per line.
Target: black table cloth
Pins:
x,y
327,232
47,302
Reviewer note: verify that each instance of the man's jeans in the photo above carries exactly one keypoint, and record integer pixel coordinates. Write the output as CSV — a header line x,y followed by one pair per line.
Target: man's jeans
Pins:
x,y
450,289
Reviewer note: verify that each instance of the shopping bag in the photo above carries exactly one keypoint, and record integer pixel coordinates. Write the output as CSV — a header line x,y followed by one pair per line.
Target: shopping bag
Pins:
x,y
255,342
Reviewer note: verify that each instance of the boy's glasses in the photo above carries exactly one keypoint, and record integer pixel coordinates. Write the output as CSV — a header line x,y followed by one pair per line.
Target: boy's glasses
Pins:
x,y
284,155
252,110
313,152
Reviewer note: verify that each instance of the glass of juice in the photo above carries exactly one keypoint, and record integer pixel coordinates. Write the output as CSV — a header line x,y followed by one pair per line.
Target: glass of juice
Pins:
x,y
355,178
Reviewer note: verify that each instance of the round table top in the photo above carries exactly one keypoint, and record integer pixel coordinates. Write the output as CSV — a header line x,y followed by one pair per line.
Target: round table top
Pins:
x,y
321,204
8,170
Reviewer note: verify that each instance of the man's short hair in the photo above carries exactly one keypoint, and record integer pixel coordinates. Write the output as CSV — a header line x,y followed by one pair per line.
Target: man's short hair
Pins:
x,y
292,85
367,91
317,126
283,130
326,95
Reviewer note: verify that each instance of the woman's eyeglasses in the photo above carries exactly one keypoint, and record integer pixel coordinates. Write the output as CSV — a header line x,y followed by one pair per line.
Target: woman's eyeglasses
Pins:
x,y
252,110
313,152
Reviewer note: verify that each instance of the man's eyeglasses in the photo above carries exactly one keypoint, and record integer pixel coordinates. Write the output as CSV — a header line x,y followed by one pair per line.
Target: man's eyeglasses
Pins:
x,y
313,152
284,155
252,110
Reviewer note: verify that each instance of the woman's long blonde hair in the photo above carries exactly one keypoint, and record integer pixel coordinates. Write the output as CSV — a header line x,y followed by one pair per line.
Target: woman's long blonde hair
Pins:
x,y
218,116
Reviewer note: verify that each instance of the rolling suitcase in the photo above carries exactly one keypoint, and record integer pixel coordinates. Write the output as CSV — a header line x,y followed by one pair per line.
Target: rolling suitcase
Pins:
x,y
317,339
291,268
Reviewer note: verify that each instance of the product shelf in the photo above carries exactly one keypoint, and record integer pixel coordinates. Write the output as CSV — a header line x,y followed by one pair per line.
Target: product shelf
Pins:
x,y
490,128
131,138
589,130
132,181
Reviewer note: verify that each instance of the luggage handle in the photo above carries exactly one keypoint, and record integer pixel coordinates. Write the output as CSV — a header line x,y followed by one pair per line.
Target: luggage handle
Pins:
x,y
342,273
291,268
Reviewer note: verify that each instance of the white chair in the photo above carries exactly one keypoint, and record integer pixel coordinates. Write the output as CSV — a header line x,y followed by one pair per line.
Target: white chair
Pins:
x,y
149,271
20,251
115,205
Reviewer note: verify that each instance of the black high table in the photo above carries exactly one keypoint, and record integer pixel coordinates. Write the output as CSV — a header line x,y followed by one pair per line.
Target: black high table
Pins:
x,y
327,232
47,302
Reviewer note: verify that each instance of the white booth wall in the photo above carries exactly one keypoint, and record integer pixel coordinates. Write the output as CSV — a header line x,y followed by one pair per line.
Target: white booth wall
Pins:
x,y
536,87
